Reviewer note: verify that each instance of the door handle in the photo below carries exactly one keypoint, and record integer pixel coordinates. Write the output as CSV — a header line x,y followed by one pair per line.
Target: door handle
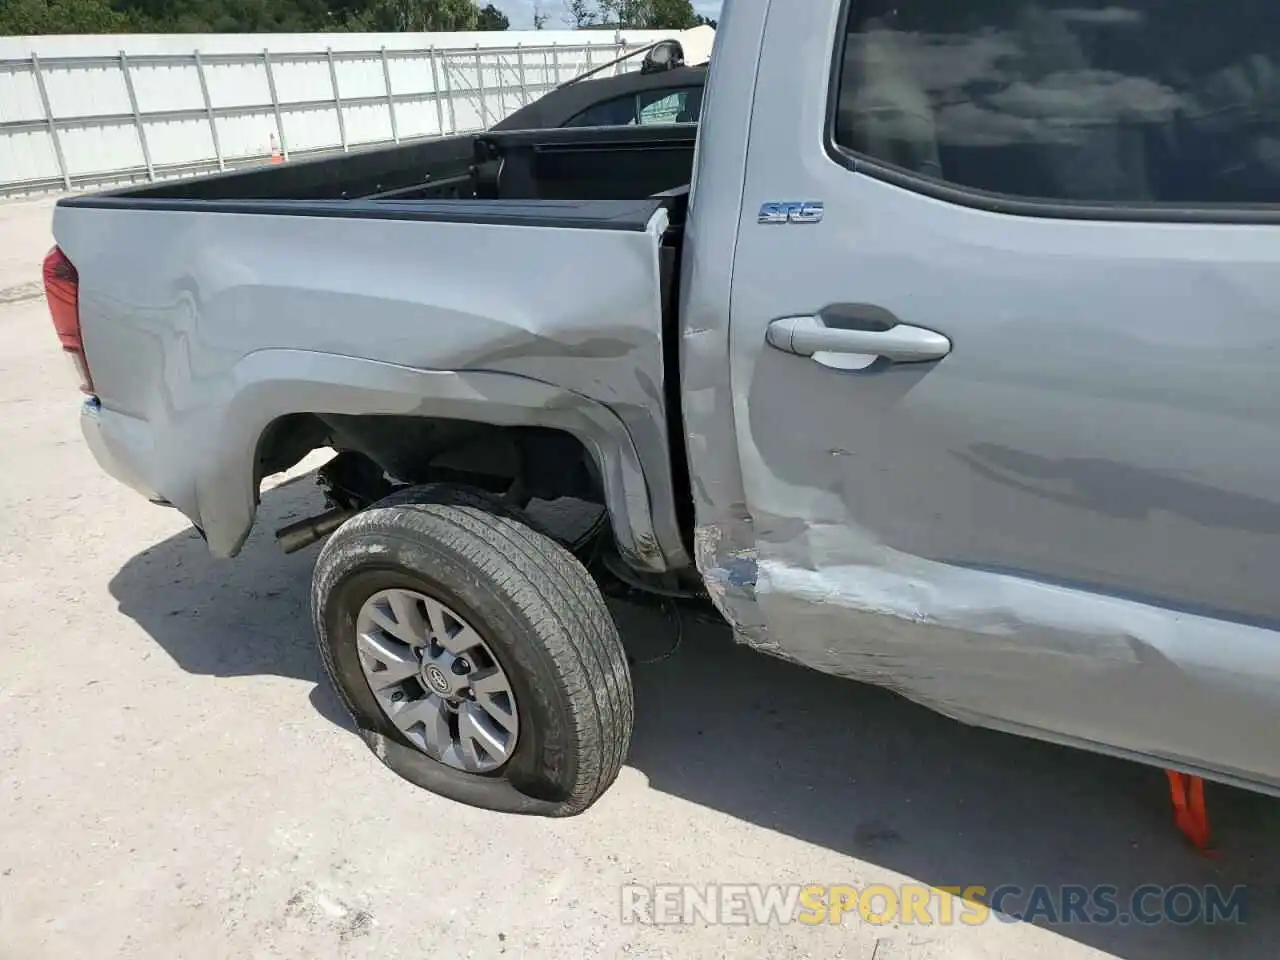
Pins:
x,y
900,343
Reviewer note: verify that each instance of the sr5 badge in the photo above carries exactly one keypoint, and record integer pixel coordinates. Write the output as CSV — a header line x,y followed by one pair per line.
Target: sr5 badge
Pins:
x,y
794,211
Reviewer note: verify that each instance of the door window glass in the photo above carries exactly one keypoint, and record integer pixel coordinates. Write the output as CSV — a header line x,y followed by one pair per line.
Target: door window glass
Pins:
x,y
668,106
650,107
1125,101
619,112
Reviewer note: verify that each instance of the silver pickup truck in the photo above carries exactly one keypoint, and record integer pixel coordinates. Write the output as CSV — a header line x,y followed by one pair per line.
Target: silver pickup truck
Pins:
x,y
949,360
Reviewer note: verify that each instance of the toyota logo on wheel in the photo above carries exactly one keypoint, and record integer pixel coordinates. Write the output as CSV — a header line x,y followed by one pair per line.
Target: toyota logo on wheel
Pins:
x,y
435,676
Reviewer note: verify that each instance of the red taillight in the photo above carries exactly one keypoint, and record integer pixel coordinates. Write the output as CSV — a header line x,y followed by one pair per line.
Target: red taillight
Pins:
x,y
62,290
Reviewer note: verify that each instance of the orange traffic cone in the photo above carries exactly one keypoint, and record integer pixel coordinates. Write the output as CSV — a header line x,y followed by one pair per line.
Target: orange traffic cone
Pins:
x,y
275,150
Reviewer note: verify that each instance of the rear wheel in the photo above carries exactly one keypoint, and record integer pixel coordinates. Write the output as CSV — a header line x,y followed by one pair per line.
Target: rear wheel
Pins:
x,y
475,654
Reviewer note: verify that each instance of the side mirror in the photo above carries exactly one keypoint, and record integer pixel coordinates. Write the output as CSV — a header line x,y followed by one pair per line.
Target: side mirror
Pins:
x,y
666,55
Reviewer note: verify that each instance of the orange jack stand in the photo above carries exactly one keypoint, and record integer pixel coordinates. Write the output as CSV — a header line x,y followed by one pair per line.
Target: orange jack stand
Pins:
x,y
1189,812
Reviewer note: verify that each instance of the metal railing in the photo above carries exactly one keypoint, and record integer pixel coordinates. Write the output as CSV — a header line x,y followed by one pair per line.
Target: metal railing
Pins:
x,y
91,121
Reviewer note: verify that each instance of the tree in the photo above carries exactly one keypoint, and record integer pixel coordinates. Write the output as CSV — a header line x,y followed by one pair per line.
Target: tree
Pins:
x,y
244,16
36,17
621,13
581,13
540,16
491,18
705,21
649,14
425,16
671,15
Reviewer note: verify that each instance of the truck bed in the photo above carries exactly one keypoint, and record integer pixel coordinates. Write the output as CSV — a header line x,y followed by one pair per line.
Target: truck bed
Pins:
x,y
580,164
234,322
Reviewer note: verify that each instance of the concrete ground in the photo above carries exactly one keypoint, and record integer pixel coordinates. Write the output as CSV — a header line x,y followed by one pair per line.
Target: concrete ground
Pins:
x,y
177,780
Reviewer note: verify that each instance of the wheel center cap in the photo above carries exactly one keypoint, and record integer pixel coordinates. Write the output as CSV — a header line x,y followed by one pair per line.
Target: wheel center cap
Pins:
x,y
436,679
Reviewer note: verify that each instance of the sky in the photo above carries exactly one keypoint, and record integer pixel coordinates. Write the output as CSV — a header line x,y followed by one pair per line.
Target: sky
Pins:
x,y
520,12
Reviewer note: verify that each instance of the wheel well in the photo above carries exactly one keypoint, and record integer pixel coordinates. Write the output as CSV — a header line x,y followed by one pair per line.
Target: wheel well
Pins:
x,y
533,462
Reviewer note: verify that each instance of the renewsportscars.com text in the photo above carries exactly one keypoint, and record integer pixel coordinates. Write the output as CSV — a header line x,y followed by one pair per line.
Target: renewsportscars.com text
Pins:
x,y
925,905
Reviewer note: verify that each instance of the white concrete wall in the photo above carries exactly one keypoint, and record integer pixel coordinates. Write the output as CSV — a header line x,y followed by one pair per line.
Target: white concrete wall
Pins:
x,y
87,128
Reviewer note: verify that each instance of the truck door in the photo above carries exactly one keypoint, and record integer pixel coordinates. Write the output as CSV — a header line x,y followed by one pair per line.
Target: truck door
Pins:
x,y
1005,335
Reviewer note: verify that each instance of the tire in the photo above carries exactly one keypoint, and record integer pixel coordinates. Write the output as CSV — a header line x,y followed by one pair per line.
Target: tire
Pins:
x,y
538,611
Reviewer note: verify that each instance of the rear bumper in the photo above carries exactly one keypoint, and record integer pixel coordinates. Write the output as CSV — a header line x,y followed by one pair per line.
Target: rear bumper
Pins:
x,y
121,445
